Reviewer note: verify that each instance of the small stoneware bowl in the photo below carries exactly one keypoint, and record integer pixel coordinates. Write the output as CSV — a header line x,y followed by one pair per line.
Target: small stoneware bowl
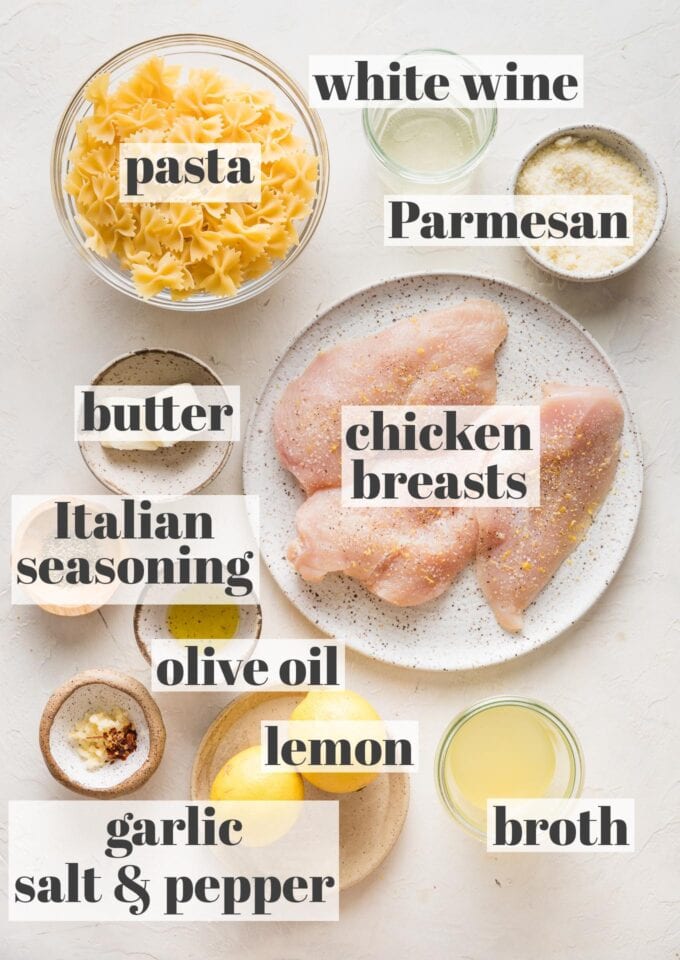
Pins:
x,y
88,692
371,819
150,622
179,470
633,152
35,536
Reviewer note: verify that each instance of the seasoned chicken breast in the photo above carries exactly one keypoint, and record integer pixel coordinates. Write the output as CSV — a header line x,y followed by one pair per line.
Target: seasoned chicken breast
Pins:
x,y
520,550
404,555
436,358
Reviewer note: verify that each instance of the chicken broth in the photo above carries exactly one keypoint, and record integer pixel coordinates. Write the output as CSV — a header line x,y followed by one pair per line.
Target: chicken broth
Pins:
x,y
503,752
505,749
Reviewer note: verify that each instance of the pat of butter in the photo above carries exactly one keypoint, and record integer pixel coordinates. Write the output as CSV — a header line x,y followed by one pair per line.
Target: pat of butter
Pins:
x,y
183,396
135,444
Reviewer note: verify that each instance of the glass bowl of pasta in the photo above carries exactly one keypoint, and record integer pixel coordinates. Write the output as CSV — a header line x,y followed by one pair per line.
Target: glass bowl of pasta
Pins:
x,y
189,89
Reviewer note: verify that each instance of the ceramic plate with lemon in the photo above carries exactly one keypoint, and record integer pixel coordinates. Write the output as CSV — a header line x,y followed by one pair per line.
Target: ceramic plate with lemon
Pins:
x,y
373,805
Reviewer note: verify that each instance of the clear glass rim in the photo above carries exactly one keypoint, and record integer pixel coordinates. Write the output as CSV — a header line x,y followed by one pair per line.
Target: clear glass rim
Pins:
x,y
106,269
418,176
547,713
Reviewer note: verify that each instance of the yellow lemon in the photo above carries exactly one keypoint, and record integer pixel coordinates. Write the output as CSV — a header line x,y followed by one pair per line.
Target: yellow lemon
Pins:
x,y
242,778
340,705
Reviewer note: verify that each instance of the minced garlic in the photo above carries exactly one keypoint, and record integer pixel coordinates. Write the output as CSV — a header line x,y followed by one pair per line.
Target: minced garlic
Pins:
x,y
583,165
104,737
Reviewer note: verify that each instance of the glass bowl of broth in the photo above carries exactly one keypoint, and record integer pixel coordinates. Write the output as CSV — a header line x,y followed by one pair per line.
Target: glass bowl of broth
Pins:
x,y
502,748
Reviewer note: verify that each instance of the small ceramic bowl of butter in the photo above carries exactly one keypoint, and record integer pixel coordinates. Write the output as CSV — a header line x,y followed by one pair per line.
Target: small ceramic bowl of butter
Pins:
x,y
592,159
101,734
146,465
196,616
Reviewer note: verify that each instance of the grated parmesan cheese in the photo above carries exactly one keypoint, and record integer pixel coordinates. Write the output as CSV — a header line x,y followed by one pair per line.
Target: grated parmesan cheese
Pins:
x,y
585,166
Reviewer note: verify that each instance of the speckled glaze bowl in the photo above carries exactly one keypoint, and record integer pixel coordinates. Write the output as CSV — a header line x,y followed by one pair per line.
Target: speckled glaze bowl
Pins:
x,y
179,470
150,622
371,819
633,152
101,690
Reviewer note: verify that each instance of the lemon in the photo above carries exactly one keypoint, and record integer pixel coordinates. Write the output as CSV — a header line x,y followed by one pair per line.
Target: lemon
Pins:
x,y
338,705
242,778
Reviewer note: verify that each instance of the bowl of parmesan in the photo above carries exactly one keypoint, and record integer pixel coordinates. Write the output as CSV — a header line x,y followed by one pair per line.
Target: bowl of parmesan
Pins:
x,y
594,160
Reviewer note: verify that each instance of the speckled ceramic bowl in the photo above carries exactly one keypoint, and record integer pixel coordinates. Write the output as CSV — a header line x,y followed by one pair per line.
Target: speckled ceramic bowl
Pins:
x,y
150,623
633,152
179,470
371,819
96,690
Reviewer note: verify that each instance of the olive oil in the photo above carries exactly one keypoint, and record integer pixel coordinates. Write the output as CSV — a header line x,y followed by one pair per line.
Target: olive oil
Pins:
x,y
203,621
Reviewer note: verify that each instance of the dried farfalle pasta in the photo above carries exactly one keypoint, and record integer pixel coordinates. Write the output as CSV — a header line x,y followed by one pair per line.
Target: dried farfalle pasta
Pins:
x,y
188,248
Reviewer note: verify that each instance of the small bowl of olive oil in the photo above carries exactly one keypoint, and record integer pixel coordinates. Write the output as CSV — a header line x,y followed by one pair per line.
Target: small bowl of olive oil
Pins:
x,y
194,617
502,748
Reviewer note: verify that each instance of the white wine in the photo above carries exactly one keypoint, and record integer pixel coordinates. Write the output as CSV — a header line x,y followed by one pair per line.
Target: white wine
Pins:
x,y
428,141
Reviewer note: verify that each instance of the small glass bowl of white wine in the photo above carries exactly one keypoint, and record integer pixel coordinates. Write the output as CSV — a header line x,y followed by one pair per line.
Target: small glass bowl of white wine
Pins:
x,y
431,148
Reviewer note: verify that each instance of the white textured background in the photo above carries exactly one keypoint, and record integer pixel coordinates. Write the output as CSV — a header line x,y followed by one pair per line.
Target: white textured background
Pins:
x,y
614,676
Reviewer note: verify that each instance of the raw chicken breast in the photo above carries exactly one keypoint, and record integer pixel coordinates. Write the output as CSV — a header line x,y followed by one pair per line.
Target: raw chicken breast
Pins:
x,y
404,555
520,550
436,358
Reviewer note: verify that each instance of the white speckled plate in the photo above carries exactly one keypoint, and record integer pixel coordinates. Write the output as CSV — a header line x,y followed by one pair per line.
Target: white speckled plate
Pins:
x,y
457,631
